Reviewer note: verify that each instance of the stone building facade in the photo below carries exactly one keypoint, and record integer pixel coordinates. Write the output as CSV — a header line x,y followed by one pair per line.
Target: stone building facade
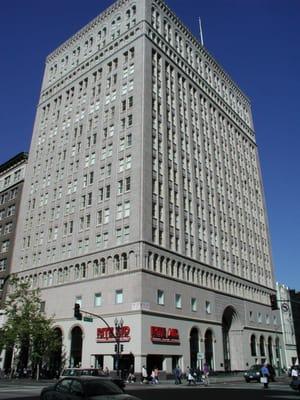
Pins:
x,y
144,200
12,174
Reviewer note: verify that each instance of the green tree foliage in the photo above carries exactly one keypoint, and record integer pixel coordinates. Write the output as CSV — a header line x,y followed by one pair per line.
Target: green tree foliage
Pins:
x,y
27,329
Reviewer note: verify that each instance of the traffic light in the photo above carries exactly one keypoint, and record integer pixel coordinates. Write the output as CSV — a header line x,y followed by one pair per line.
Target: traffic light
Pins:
x,y
116,348
121,348
77,313
273,301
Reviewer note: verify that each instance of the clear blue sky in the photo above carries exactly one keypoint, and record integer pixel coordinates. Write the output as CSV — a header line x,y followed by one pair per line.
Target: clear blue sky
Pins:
x,y
256,41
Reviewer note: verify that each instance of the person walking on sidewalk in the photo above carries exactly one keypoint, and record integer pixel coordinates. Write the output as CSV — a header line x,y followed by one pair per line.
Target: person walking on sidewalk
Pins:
x,y
294,373
265,374
144,375
205,374
190,377
177,374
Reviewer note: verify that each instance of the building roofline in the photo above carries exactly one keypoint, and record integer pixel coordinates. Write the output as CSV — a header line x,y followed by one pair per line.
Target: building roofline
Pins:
x,y
13,161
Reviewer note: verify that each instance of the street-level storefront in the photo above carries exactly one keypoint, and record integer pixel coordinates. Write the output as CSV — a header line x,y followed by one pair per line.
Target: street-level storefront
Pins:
x,y
164,343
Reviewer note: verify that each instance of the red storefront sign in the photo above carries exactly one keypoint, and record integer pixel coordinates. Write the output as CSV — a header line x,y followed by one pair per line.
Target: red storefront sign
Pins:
x,y
108,335
164,335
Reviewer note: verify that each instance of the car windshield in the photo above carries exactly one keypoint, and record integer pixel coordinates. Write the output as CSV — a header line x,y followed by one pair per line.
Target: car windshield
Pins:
x,y
99,388
255,368
70,372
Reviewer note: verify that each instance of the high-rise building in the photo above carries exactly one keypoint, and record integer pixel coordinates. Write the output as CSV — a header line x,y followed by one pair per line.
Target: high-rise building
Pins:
x,y
144,201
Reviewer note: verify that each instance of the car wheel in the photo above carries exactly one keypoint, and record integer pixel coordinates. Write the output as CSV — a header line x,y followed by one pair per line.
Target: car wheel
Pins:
x,y
247,380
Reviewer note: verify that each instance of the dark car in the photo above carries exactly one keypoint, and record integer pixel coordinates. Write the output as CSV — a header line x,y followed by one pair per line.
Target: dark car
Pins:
x,y
253,373
295,384
84,387
69,372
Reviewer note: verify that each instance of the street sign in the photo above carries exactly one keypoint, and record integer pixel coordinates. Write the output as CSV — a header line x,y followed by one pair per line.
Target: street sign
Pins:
x,y
200,356
285,307
88,319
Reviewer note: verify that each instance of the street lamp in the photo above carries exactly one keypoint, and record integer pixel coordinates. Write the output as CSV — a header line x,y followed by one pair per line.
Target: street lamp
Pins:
x,y
118,326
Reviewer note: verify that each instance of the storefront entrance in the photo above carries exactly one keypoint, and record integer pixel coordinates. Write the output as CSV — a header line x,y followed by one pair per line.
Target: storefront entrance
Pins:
x,y
154,361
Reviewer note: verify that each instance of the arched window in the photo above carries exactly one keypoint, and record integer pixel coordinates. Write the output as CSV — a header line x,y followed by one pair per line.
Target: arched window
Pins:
x,y
95,268
77,272
117,262
124,261
83,270
102,266
253,345
262,346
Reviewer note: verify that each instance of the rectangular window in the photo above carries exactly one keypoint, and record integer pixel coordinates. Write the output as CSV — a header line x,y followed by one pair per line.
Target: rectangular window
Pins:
x,y
208,307
99,217
259,317
106,216
193,304
128,162
127,184
126,209
119,296
178,300
3,264
119,211
98,300
160,297
120,187
119,235
78,300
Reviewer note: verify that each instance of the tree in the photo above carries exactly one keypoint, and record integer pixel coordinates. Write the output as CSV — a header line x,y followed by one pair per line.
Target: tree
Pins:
x,y
27,330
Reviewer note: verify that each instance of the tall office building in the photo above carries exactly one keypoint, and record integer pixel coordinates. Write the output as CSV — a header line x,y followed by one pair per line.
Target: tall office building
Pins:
x,y
143,200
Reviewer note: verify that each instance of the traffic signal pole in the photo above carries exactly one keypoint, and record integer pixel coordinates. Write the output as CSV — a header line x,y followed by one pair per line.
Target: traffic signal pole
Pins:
x,y
78,315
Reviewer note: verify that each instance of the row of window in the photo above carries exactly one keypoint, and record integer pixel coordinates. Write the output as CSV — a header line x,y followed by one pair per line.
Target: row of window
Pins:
x,y
94,42
8,196
10,180
5,229
10,211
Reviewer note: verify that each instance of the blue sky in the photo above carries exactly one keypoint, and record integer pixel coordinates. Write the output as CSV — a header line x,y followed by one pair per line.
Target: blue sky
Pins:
x,y
256,42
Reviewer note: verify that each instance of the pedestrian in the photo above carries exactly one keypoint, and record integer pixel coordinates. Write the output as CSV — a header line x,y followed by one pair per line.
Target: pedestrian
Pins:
x,y
190,378
131,376
144,375
265,374
106,371
294,373
177,374
205,374
156,373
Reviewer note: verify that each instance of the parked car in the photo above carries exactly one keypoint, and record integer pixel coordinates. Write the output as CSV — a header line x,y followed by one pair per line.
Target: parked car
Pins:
x,y
253,373
295,384
69,372
84,387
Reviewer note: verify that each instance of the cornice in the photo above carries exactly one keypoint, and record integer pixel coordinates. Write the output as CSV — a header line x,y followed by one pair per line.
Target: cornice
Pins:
x,y
86,29
176,20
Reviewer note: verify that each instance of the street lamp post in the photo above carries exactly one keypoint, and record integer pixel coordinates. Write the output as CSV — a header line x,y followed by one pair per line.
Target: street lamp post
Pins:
x,y
118,326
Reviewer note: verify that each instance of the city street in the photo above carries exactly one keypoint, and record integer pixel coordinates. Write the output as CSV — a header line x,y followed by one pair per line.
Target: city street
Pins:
x,y
30,390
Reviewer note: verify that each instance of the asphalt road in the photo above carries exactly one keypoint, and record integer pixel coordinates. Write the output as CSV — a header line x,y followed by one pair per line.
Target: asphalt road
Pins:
x,y
233,391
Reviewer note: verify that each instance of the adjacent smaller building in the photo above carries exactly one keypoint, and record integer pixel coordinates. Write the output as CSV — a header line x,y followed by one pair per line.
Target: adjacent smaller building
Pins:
x,y
289,336
12,174
295,305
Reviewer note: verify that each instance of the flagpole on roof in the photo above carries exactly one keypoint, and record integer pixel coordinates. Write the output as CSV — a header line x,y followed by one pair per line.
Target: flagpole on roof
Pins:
x,y
201,33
